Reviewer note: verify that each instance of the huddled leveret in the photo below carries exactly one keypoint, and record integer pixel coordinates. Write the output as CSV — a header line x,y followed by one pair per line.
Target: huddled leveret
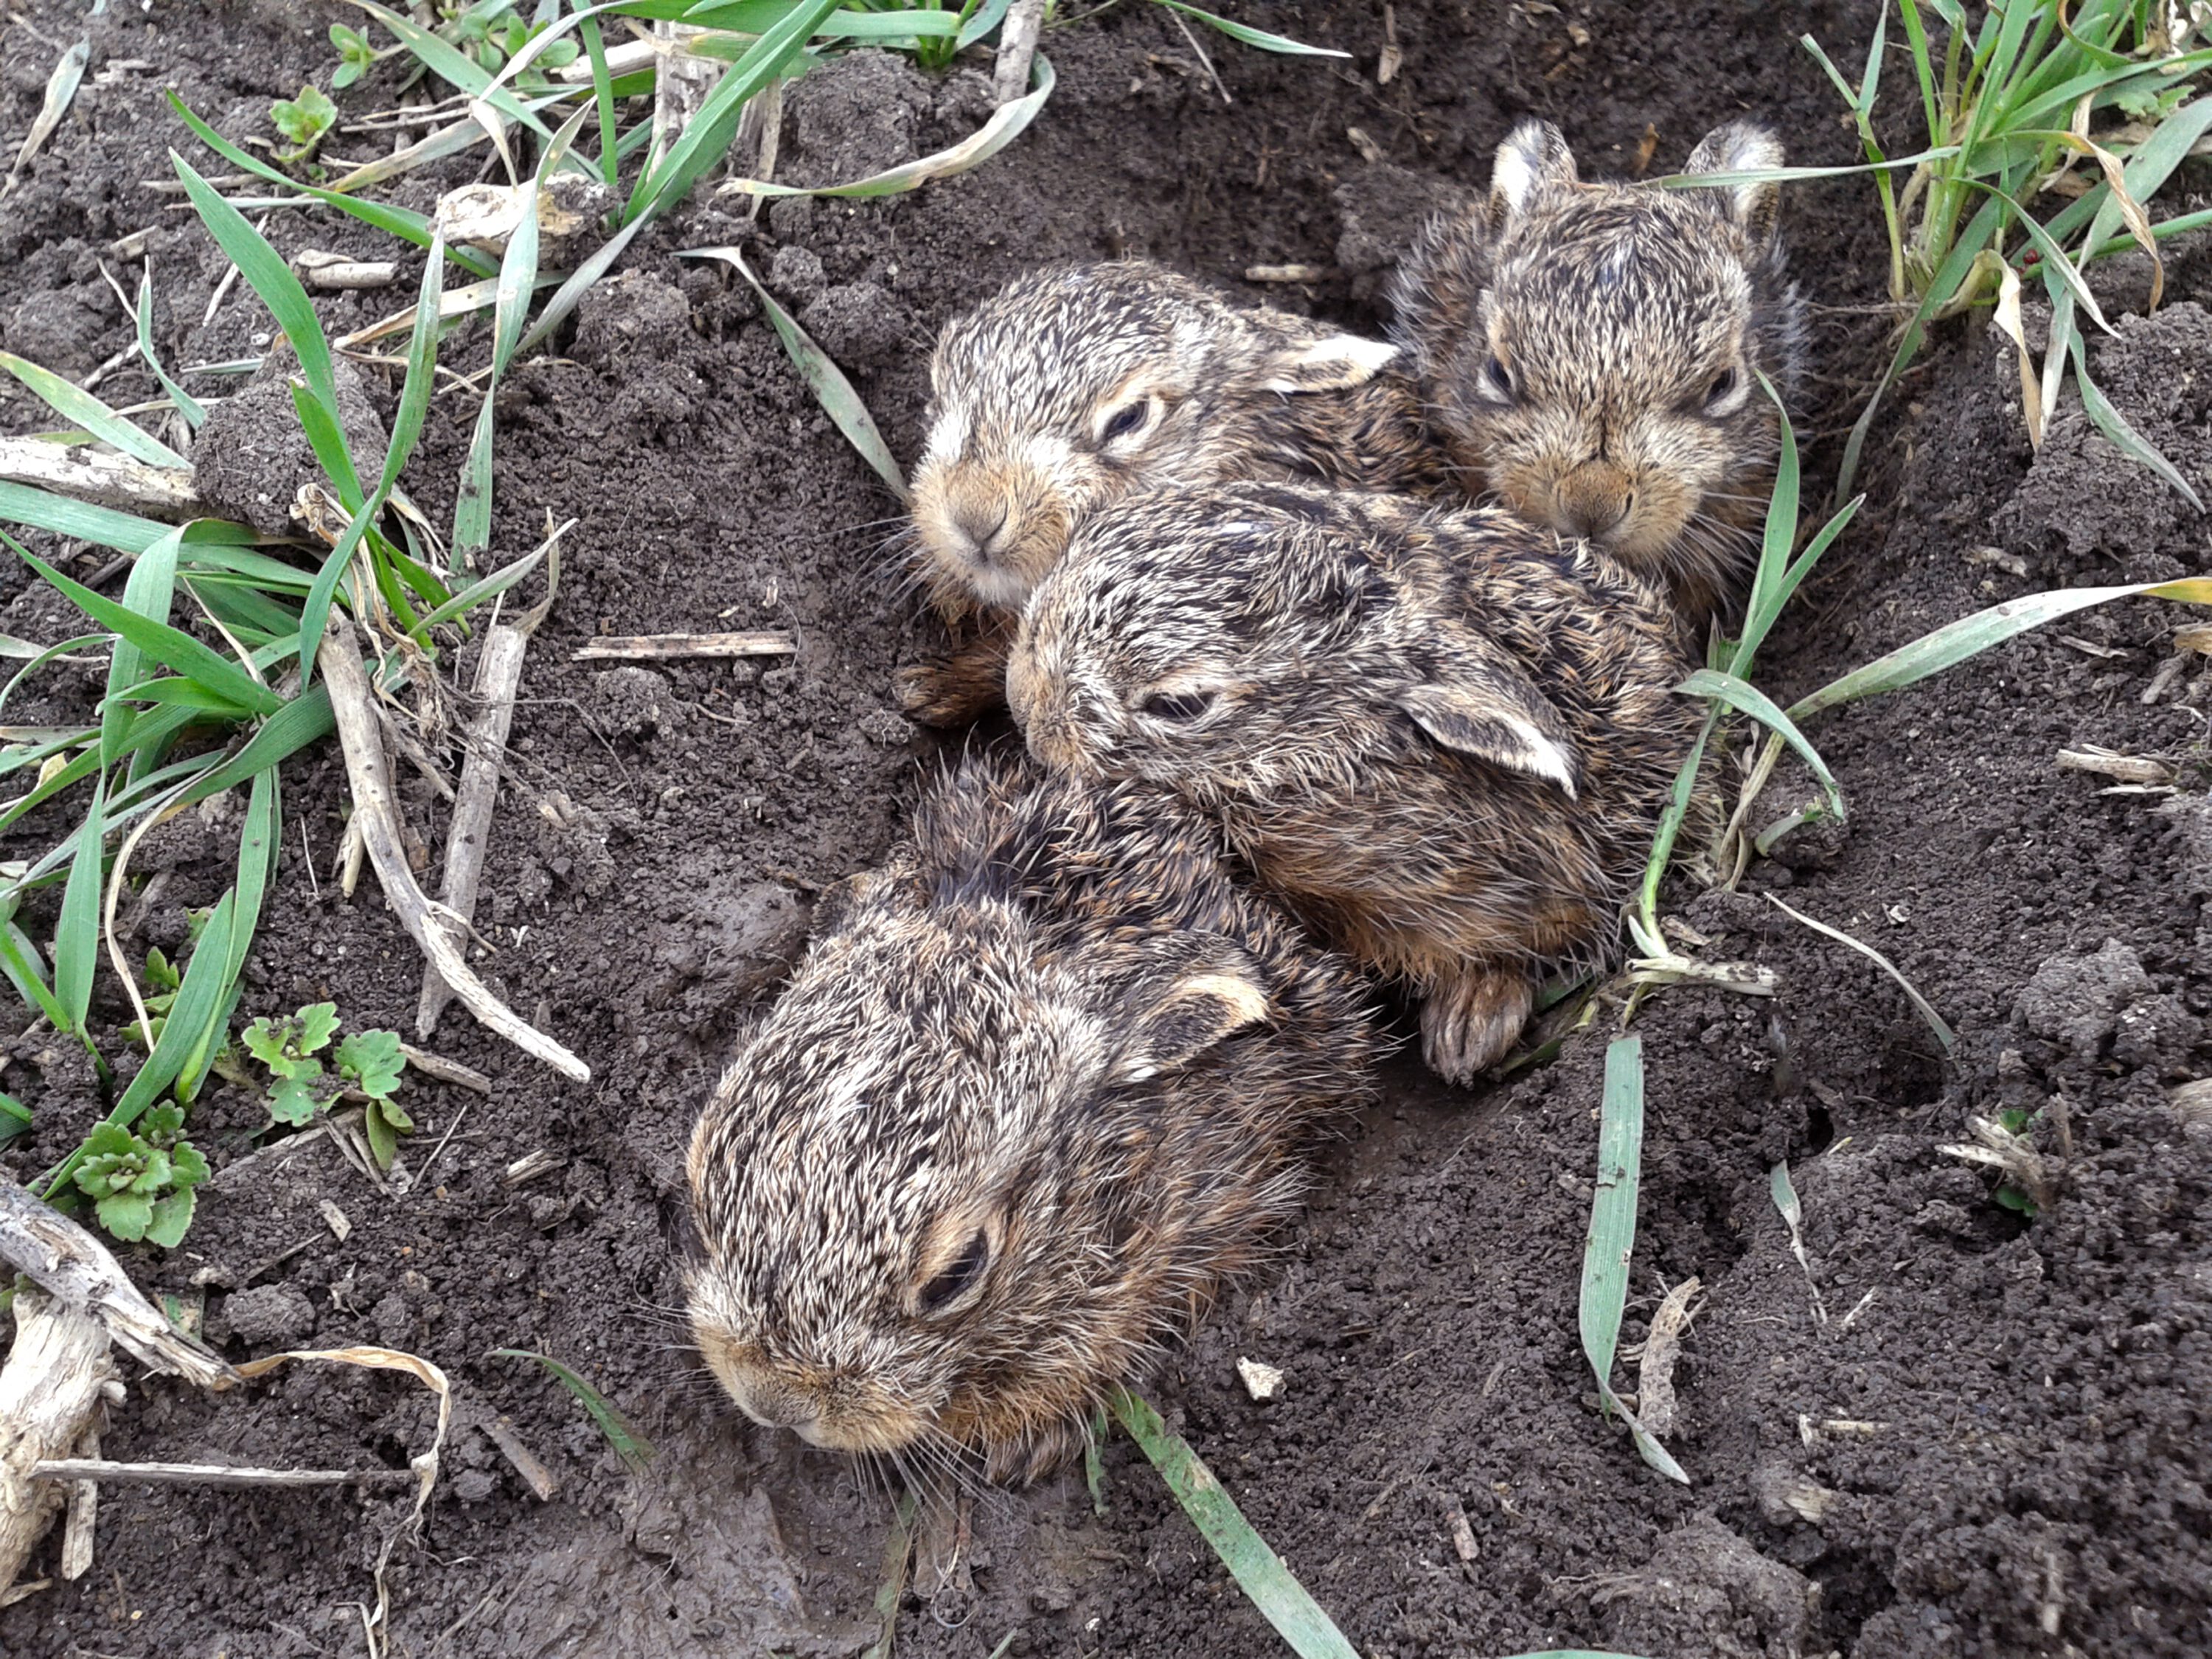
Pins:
x,y
1074,386
1441,736
1038,1088
1033,1095
1591,354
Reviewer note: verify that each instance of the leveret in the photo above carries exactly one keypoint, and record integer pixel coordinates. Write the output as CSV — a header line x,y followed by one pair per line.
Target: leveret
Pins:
x,y
1590,352
1038,1090
1443,737
1075,386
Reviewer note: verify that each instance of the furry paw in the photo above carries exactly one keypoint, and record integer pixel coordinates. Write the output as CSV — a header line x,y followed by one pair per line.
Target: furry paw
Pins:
x,y
940,694
1468,1024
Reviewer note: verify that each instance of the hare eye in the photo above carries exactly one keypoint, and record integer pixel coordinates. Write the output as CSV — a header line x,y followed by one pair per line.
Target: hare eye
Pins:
x,y
1126,420
1724,387
956,1276
1497,380
1178,706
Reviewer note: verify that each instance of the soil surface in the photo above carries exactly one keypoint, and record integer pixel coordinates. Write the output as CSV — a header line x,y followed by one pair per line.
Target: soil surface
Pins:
x,y
1939,1428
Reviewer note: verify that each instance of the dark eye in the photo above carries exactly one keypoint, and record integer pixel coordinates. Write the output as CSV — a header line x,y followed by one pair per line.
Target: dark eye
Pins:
x,y
1178,705
1724,387
1124,421
1498,379
957,1275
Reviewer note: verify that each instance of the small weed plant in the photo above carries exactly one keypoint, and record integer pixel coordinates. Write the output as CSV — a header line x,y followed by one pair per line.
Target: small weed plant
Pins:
x,y
141,1181
303,121
300,1088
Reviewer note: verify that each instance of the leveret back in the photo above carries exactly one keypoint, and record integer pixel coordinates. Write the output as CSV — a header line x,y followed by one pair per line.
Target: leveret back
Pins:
x,y
1591,352
1076,385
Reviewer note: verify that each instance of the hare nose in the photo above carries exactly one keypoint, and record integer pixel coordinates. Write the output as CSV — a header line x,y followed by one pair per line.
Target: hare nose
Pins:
x,y
1593,500
980,523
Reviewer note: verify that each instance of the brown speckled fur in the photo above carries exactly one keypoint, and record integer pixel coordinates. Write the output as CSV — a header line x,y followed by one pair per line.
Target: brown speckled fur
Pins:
x,y
1054,1025
1590,353
1388,706
1026,386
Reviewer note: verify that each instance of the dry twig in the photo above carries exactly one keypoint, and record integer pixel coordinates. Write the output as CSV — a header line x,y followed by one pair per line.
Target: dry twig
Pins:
x,y
655,647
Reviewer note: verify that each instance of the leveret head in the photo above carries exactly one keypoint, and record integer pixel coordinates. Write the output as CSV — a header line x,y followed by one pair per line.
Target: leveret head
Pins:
x,y
1596,348
930,1221
1256,639
1074,386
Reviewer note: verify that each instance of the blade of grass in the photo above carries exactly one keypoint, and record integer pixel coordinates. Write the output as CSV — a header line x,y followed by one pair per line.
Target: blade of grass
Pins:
x,y
76,934
450,64
1921,1004
1969,636
19,959
272,280
190,408
406,430
712,129
170,647
45,657
74,404
1612,1237
898,1552
633,1448
1750,700
603,99
126,532
1258,1570
2114,425
403,223
1251,37
838,399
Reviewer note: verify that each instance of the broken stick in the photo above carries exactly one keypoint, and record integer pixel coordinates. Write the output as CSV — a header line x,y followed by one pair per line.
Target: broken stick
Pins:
x,y
650,647
435,929
217,1474
499,679
86,475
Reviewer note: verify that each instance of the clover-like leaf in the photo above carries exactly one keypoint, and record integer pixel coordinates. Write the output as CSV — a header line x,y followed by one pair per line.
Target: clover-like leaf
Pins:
x,y
126,1215
383,1139
304,120
372,1060
163,1126
188,1166
264,1040
291,1100
160,973
169,1217
319,1024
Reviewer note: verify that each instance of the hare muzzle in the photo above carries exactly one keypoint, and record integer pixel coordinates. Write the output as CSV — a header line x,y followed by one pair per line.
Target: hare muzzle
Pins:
x,y
1593,501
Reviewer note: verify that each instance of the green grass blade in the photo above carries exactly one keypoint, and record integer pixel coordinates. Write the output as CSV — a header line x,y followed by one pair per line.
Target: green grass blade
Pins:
x,y
1252,37
1258,1570
1670,827
148,593
1612,1237
47,656
1750,700
450,64
76,934
80,521
306,720
1779,536
327,438
477,592
835,392
1921,1004
257,859
72,403
595,265
633,1448
406,431
190,408
1970,637
712,130
989,17
2114,425
18,960
271,279
603,99
403,223
172,647
182,694
898,1554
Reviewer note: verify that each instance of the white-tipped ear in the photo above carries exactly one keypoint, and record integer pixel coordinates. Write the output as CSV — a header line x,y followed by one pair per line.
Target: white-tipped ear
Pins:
x,y
1495,713
1177,1016
1534,157
1742,147
1333,363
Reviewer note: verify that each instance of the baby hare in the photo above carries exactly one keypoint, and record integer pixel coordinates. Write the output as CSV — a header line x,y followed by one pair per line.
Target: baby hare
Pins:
x,y
1074,386
1441,736
1591,352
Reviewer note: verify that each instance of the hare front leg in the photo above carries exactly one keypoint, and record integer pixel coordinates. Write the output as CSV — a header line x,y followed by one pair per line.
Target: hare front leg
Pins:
x,y
1469,1019
963,685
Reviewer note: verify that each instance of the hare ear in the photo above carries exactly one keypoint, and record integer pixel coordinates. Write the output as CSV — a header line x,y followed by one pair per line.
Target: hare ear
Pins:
x,y
1534,156
1494,712
1334,362
1742,147
1213,993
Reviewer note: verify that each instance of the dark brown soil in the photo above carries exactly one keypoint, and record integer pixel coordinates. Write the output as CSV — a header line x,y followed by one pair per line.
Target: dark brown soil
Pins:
x,y
1951,1431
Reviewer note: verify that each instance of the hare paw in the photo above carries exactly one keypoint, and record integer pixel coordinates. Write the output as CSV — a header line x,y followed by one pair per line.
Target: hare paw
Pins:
x,y
1468,1024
